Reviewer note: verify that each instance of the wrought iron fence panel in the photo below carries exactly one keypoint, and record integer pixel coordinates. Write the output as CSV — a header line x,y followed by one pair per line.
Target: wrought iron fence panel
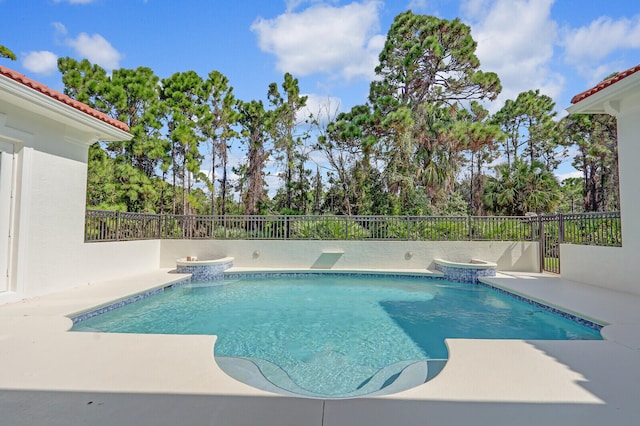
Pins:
x,y
586,228
137,226
550,239
101,225
503,228
601,229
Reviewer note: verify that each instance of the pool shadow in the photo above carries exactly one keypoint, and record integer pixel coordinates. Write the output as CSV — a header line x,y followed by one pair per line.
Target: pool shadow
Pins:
x,y
410,317
327,260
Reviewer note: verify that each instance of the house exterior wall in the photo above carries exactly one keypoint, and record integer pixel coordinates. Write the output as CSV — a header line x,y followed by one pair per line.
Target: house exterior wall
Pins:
x,y
49,174
617,268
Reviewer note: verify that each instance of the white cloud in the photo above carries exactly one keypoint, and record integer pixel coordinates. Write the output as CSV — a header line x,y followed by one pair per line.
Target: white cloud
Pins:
x,y
516,40
323,108
42,62
294,4
601,37
415,5
475,8
586,47
323,39
96,49
60,29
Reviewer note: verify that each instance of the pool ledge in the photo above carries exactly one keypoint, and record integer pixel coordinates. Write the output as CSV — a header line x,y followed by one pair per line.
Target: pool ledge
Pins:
x,y
204,270
466,272
472,264
185,261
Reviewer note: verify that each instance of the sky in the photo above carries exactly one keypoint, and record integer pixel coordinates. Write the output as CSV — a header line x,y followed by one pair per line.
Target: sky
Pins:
x,y
561,47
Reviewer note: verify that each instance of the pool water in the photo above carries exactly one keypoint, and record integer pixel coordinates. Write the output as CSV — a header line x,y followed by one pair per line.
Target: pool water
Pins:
x,y
336,336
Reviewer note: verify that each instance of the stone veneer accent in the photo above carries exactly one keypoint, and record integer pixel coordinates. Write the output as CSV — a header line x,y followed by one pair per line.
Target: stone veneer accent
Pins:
x,y
465,272
204,270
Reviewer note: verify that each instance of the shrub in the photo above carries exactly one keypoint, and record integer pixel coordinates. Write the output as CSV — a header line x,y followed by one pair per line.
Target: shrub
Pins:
x,y
330,228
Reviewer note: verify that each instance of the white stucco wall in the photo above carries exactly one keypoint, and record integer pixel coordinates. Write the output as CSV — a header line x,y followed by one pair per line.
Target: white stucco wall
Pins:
x,y
600,266
629,160
510,256
49,173
617,268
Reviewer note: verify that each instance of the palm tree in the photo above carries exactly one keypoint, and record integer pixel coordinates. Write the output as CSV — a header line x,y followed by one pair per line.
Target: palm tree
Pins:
x,y
520,188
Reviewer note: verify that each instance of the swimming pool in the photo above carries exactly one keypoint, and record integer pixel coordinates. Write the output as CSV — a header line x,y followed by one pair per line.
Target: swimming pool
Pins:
x,y
336,336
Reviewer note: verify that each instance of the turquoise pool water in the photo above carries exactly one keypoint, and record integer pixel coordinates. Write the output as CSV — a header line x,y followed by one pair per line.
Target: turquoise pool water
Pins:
x,y
336,336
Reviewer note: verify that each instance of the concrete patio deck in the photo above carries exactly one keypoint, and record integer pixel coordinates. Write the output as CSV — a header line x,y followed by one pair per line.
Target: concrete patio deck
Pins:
x,y
53,377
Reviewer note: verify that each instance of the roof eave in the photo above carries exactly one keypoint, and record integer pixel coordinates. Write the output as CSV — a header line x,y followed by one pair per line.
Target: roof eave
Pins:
x,y
607,100
32,100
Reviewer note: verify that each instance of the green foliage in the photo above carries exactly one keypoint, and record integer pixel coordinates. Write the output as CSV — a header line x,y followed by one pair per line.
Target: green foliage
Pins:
x,y
328,230
596,138
132,97
520,188
115,185
439,230
218,127
184,98
430,60
520,229
531,133
5,52
572,196
230,233
478,137
287,145
256,124
593,231
428,69
84,82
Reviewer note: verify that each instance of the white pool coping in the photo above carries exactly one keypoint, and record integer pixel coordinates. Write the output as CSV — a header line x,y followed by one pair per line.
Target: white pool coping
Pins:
x,y
52,376
472,264
185,261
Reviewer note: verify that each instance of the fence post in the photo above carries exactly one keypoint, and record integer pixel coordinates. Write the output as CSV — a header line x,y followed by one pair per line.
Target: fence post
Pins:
x,y
86,224
470,229
408,229
346,227
286,227
117,225
533,225
560,228
541,241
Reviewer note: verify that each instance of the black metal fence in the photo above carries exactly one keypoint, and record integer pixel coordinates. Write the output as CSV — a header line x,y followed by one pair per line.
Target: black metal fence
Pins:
x,y
588,228
598,229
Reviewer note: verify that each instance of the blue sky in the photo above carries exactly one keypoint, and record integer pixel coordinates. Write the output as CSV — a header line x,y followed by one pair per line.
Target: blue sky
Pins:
x,y
560,47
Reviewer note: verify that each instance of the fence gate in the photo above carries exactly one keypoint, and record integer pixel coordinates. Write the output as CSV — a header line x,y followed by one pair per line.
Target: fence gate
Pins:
x,y
551,233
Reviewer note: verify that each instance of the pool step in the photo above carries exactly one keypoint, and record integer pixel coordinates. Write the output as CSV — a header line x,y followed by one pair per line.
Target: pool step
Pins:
x,y
390,379
247,370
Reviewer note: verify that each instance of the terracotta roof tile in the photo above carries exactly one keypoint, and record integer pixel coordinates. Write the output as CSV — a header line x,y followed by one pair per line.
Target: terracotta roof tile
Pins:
x,y
39,87
604,84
